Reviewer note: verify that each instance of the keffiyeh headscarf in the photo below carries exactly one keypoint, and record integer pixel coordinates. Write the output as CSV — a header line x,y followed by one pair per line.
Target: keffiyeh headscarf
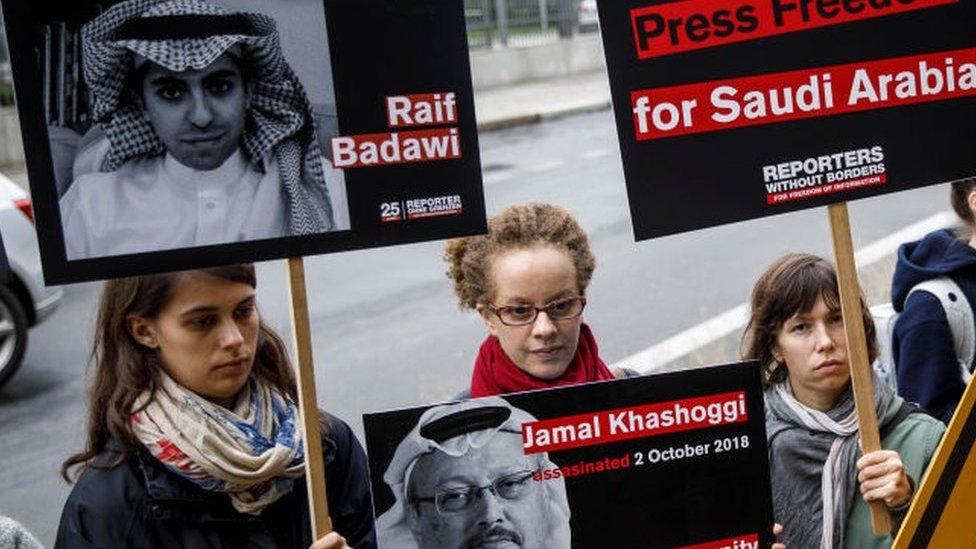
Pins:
x,y
191,34
253,452
462,427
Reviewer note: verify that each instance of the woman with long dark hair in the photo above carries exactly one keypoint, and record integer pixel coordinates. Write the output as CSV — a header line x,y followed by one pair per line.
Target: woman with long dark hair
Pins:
x,y
193,432
821,482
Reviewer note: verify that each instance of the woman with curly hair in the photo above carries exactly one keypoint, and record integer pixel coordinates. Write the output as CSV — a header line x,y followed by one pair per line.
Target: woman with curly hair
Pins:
x,y
193,437
527,279
796,332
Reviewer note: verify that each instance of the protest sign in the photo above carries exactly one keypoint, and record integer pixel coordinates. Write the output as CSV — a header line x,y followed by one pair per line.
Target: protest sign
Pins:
x,y
173,135
941,513
671,460
728,111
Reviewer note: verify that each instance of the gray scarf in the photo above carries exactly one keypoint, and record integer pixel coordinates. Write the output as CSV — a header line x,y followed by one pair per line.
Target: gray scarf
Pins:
x,y
812,461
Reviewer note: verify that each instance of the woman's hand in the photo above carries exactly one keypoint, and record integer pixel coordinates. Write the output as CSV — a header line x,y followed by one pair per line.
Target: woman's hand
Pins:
x,y
332,540
777,531
882,478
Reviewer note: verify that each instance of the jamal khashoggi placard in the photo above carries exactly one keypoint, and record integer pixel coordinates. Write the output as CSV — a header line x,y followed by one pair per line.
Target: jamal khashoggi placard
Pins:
x,y
672,460
732,110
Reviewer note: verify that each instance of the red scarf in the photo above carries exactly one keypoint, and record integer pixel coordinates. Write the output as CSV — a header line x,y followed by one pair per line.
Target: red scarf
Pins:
x,y
496,374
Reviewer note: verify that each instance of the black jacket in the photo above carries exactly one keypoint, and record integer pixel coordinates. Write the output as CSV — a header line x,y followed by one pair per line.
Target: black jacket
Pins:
x,y
140,503
923,348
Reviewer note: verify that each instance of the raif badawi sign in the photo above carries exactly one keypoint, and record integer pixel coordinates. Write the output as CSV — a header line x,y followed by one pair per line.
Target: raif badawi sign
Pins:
x,y
173,134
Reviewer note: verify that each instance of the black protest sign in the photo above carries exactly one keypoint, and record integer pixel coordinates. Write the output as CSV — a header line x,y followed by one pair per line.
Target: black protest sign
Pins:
x,y
671,460
728,111
941,512
165,135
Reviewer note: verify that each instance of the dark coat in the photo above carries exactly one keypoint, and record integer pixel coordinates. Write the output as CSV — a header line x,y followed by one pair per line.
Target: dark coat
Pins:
x,y
141,503
922,345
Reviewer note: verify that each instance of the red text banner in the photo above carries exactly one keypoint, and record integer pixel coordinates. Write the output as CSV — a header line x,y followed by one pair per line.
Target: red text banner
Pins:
x,y
634,422
808,93
676,27
381,149
748,541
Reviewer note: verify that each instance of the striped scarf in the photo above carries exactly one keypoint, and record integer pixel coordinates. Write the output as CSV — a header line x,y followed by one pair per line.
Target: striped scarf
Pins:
x,y
253,452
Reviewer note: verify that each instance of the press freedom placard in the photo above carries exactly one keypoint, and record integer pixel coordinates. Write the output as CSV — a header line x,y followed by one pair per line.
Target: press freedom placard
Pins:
x,y
670,460
732,110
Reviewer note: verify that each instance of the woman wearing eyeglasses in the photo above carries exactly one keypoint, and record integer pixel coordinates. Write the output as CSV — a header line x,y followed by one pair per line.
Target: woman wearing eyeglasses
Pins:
x,y
527,278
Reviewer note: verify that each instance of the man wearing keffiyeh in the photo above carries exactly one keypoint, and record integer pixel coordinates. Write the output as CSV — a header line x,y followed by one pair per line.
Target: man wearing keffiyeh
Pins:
x,y
462,480
211,135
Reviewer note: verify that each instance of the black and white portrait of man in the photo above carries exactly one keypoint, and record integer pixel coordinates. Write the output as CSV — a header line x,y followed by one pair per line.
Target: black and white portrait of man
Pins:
x,y
207,134
462,480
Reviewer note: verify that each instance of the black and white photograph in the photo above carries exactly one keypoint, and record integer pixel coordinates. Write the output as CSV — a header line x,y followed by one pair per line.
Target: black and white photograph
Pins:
x,y
670,460
199,126
182,133
443,461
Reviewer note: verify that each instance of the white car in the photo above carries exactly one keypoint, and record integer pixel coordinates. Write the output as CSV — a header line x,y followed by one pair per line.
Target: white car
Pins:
x,y
24,299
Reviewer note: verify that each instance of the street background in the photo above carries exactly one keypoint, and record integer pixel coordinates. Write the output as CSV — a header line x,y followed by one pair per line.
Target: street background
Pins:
x,y
386,328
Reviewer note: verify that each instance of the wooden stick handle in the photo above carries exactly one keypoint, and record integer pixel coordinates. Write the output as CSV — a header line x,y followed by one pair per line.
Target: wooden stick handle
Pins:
x,y
318,505
857,348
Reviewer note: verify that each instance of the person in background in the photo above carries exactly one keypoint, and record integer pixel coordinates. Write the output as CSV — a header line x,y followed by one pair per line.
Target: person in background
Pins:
x,y
923,348
821,484
193,434
527,279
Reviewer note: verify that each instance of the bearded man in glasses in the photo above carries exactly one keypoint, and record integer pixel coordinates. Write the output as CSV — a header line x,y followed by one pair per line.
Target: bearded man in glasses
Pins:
x,y
462,481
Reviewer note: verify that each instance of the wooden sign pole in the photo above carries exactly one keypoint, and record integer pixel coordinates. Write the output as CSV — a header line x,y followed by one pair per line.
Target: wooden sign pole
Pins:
x,y
857,349
318,505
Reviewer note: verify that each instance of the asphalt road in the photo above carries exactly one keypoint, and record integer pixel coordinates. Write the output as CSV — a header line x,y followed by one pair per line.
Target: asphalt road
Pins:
x,y
387,332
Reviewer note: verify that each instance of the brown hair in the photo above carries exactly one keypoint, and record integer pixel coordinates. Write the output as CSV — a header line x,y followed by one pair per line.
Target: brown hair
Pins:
x,y
790,285
124,368
521,226
959,198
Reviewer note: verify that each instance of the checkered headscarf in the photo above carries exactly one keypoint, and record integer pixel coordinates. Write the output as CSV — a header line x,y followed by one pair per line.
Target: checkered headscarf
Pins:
x,y
279,116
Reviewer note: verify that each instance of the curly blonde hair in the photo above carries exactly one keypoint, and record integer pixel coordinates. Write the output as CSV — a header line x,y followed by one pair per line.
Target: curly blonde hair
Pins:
x,y
515,227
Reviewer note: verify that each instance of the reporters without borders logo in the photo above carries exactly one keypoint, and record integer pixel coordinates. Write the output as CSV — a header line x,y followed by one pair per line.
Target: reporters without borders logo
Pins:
x,y
420,208
437,206
825,174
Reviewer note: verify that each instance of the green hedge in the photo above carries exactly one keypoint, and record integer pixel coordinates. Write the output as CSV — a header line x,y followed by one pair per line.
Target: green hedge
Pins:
x,y
6,95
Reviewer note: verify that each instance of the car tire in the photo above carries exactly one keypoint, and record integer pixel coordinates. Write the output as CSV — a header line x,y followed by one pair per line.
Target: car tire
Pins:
x,y
13,333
